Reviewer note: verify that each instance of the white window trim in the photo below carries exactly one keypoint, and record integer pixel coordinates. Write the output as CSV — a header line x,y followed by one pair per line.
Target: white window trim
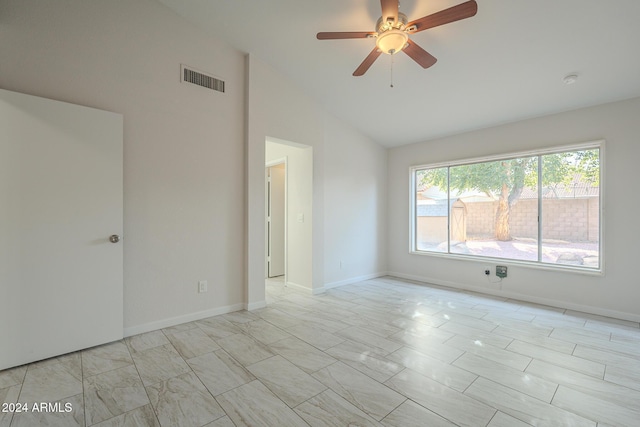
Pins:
x,y
599,144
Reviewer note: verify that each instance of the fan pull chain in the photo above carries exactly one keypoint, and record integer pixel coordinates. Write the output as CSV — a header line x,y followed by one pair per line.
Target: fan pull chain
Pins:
x,y
391,73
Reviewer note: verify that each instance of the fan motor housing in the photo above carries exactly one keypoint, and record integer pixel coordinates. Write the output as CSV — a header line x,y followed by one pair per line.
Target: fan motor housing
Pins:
x,y
400,24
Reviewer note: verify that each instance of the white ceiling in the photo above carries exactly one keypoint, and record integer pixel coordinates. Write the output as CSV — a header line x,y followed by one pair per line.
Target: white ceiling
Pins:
x,y
505,64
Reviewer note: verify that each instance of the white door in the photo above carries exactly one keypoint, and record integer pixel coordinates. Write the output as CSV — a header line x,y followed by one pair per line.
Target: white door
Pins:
x,y
60,201
276,220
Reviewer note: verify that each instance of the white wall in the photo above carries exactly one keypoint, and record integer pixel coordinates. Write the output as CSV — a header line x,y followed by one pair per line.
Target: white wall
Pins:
x,y
355,209
297,118
183,145
299,187
616,293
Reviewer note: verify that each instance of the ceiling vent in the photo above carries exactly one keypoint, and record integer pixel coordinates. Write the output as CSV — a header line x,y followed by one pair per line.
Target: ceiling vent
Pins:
x,y
189,75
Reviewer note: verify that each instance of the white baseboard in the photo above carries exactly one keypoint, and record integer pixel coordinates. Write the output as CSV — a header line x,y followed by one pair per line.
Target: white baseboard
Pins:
x,y
299,286
255,305
173,321
314,291
323,289
356,279
522,297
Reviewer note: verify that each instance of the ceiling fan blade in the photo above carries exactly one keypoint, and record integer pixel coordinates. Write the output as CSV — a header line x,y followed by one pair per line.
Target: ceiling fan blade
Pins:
x,y
418,54
452,14
389,9
345,35
370,59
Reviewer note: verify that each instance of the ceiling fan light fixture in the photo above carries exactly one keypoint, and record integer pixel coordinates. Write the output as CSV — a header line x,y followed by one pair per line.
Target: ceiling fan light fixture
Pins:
x,y
393,29
392,41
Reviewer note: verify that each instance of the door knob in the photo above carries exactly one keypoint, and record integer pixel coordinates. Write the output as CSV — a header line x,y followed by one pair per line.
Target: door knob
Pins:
x,y
114,238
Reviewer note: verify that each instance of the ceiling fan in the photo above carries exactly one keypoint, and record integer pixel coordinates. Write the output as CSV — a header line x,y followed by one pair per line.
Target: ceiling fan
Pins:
x,y
393,30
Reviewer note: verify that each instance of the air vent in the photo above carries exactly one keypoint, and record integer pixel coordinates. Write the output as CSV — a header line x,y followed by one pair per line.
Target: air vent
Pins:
x,y
189,75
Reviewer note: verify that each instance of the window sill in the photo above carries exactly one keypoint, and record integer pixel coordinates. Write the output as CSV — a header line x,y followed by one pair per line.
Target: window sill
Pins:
x,y
564,268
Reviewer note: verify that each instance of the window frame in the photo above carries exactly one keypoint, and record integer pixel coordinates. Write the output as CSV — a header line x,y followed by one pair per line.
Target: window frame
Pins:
x,y
597,144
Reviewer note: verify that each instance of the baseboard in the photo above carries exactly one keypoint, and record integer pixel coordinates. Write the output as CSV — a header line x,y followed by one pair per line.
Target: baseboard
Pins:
x,y
356,279
255,305
299,286
323,289
173,321
522,297
314,291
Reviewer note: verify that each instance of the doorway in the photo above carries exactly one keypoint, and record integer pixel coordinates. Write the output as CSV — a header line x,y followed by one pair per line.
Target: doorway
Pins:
x,y
293,163
276,218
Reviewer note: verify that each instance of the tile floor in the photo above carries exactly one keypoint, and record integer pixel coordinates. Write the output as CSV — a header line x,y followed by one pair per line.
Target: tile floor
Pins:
x,y
379,352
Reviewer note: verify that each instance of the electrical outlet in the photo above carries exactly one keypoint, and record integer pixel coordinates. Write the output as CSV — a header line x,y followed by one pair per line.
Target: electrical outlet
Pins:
x,y
501,271
202,286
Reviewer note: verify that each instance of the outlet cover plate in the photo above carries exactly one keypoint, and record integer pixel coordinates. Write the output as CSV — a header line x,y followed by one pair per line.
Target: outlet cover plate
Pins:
x,y
202,286
501,271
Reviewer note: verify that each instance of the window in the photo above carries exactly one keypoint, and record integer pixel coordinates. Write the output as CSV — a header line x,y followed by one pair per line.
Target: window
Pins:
x,y
541,207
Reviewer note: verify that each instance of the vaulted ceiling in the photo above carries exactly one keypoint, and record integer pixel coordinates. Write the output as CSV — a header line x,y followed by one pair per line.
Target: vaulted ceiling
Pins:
x,y
505,64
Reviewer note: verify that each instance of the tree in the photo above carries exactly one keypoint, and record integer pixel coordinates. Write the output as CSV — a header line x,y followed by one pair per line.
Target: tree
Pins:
x,y
506,179
587,165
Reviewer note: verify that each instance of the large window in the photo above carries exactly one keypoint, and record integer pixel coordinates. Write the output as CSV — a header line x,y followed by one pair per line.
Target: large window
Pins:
x,y
541,207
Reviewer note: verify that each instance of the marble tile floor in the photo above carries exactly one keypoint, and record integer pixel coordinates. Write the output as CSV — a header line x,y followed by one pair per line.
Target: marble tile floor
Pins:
x,y
382,352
